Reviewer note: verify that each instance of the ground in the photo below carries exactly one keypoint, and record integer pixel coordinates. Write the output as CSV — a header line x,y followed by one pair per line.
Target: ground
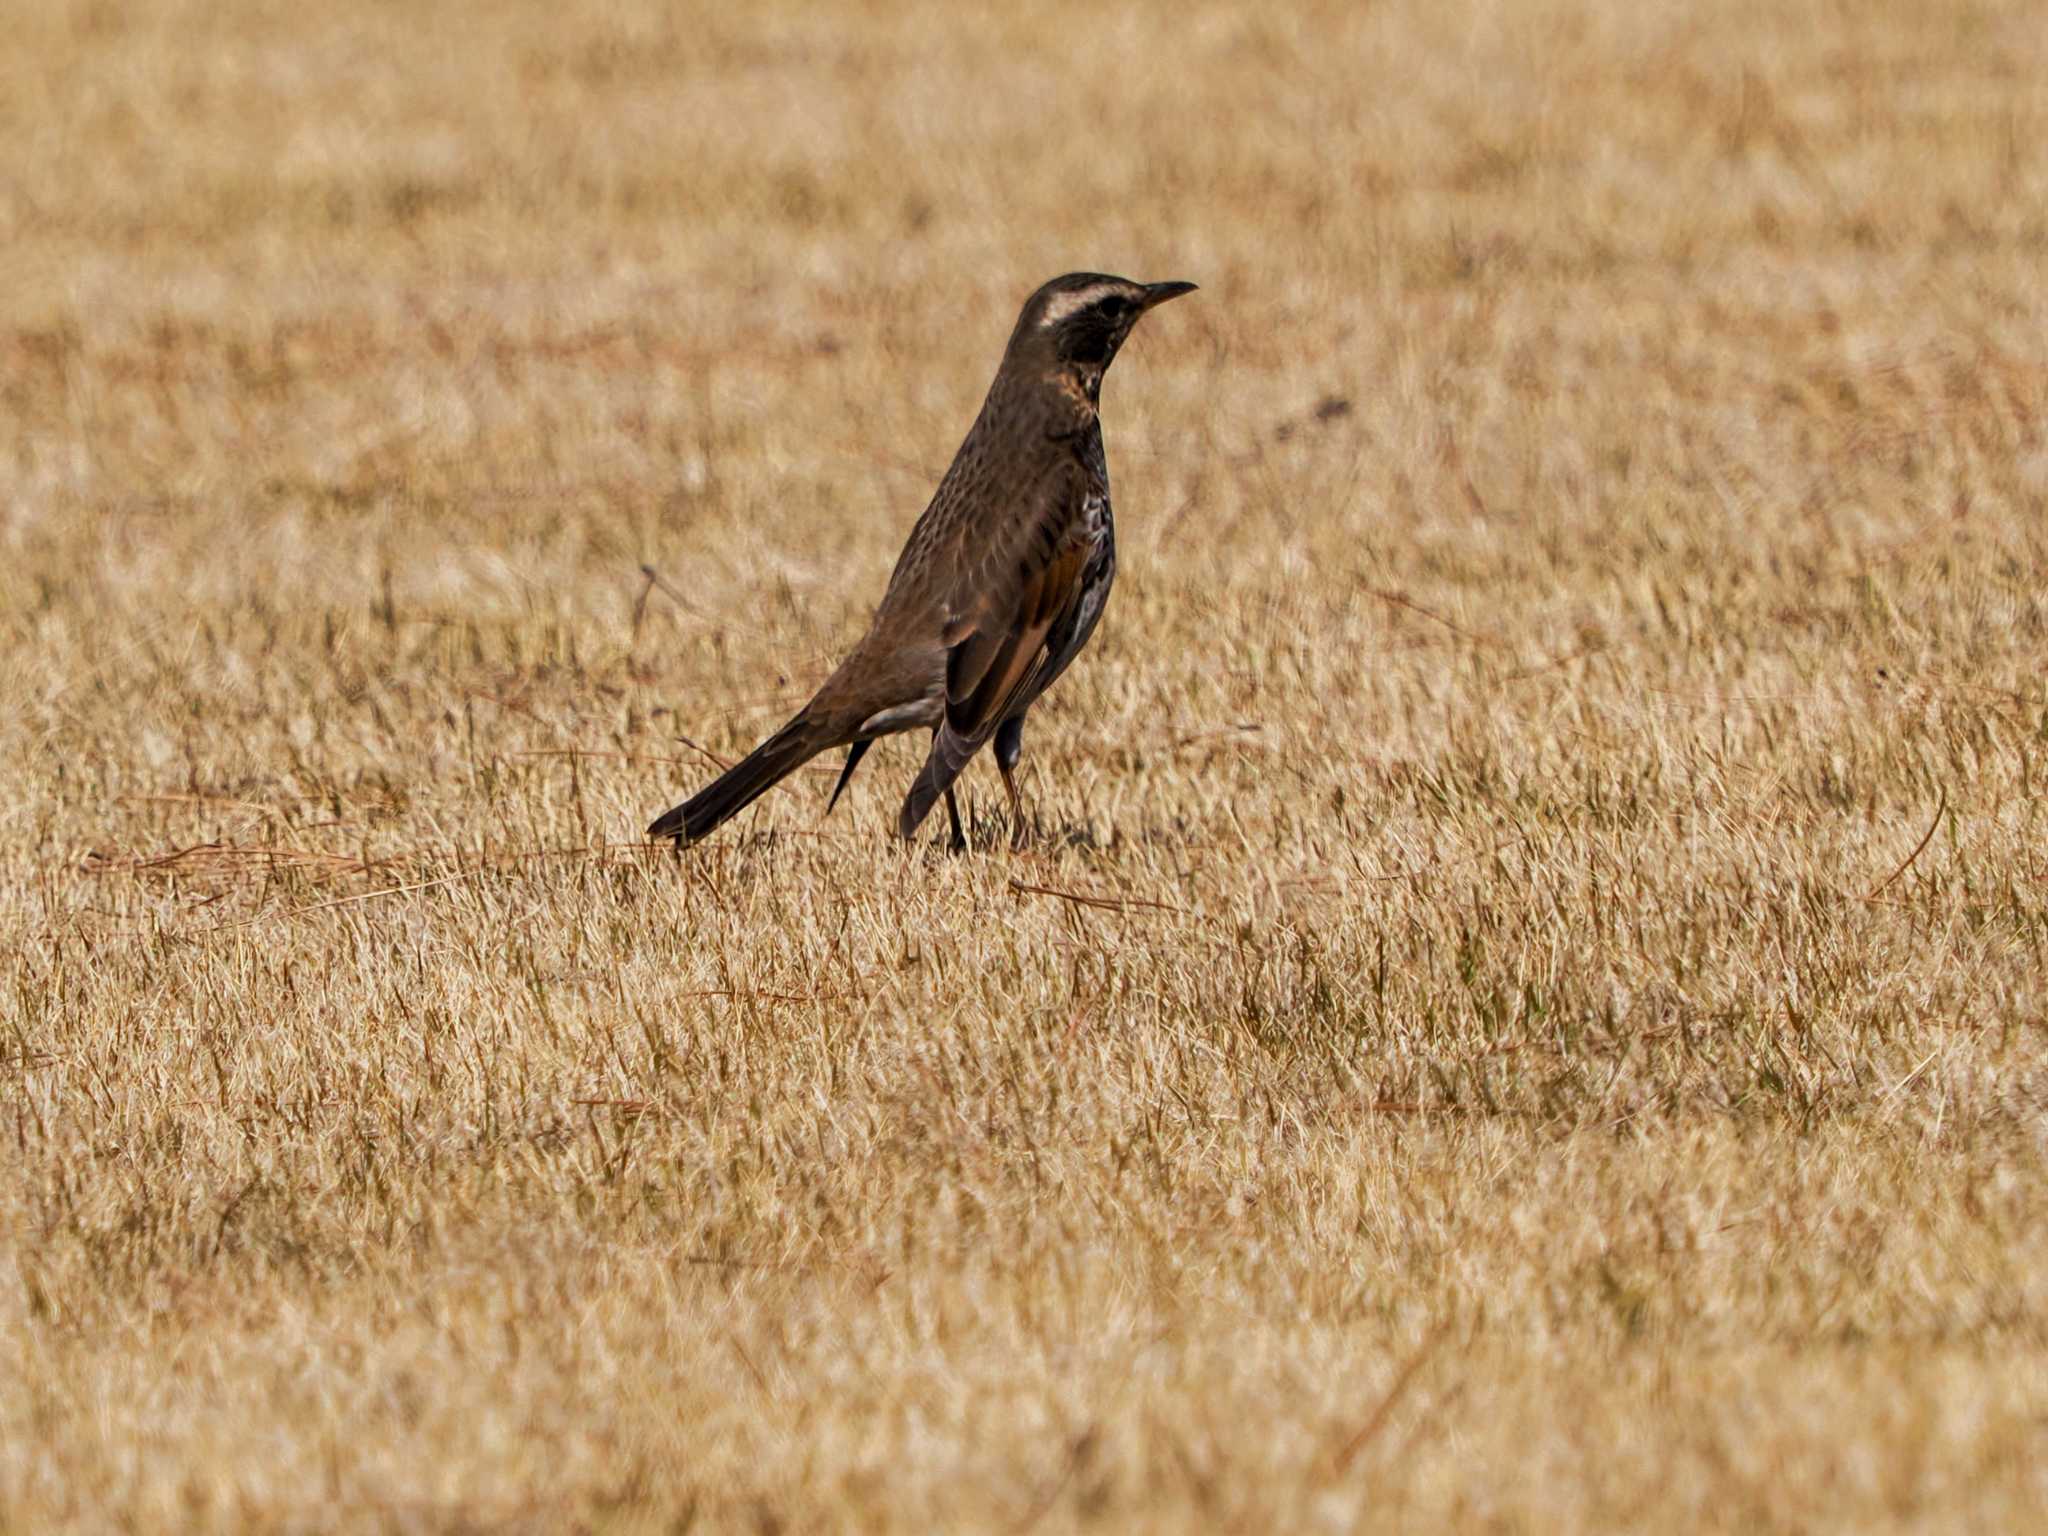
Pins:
x,y
1525,1010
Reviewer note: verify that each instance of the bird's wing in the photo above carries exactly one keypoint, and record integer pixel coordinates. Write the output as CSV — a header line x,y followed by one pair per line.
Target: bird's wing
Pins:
x,y
1008,596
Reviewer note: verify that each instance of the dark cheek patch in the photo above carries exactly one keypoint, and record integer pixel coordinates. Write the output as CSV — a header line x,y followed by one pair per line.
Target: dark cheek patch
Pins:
x,y
1091,345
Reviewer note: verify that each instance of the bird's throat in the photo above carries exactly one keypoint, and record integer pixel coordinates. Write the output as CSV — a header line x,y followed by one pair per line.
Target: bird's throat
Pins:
x,y
1083,386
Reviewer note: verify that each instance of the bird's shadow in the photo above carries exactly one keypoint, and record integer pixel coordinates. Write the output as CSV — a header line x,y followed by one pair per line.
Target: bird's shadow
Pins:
x,y
991,832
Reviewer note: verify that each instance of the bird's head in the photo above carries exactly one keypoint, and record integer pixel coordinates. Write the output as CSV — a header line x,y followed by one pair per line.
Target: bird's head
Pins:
x,y
1071,328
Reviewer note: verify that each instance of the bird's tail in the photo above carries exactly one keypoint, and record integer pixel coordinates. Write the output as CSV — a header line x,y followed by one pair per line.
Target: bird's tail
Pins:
x,y
747,780
950,754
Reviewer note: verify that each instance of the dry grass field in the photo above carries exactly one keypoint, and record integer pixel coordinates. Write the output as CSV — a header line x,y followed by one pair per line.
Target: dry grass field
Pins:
x,y
1527,1008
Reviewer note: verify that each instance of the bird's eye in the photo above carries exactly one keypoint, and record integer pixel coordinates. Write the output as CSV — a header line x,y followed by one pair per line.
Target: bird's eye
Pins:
x,y
1114,307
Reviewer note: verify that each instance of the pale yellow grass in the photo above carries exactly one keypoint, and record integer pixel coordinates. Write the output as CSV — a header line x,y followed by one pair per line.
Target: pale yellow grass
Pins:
x,y
1527,1010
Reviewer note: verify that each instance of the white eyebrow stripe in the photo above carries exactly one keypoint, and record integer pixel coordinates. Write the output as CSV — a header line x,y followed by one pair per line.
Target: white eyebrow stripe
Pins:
x,y
1061,305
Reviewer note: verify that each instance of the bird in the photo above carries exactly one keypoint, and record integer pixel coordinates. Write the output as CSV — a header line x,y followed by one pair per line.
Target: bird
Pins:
x,y
998,587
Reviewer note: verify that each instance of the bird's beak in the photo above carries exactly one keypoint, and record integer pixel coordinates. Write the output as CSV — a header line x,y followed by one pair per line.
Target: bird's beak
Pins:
x,y
1158,293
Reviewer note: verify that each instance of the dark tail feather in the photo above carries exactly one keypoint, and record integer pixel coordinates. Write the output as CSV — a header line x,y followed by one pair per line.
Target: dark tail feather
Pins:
x,y
949,755
854,754
743,783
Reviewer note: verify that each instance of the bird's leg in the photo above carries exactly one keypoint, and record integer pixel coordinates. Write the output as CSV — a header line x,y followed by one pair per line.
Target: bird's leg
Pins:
x,y
1010,747
959,843
1019,836
854,754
